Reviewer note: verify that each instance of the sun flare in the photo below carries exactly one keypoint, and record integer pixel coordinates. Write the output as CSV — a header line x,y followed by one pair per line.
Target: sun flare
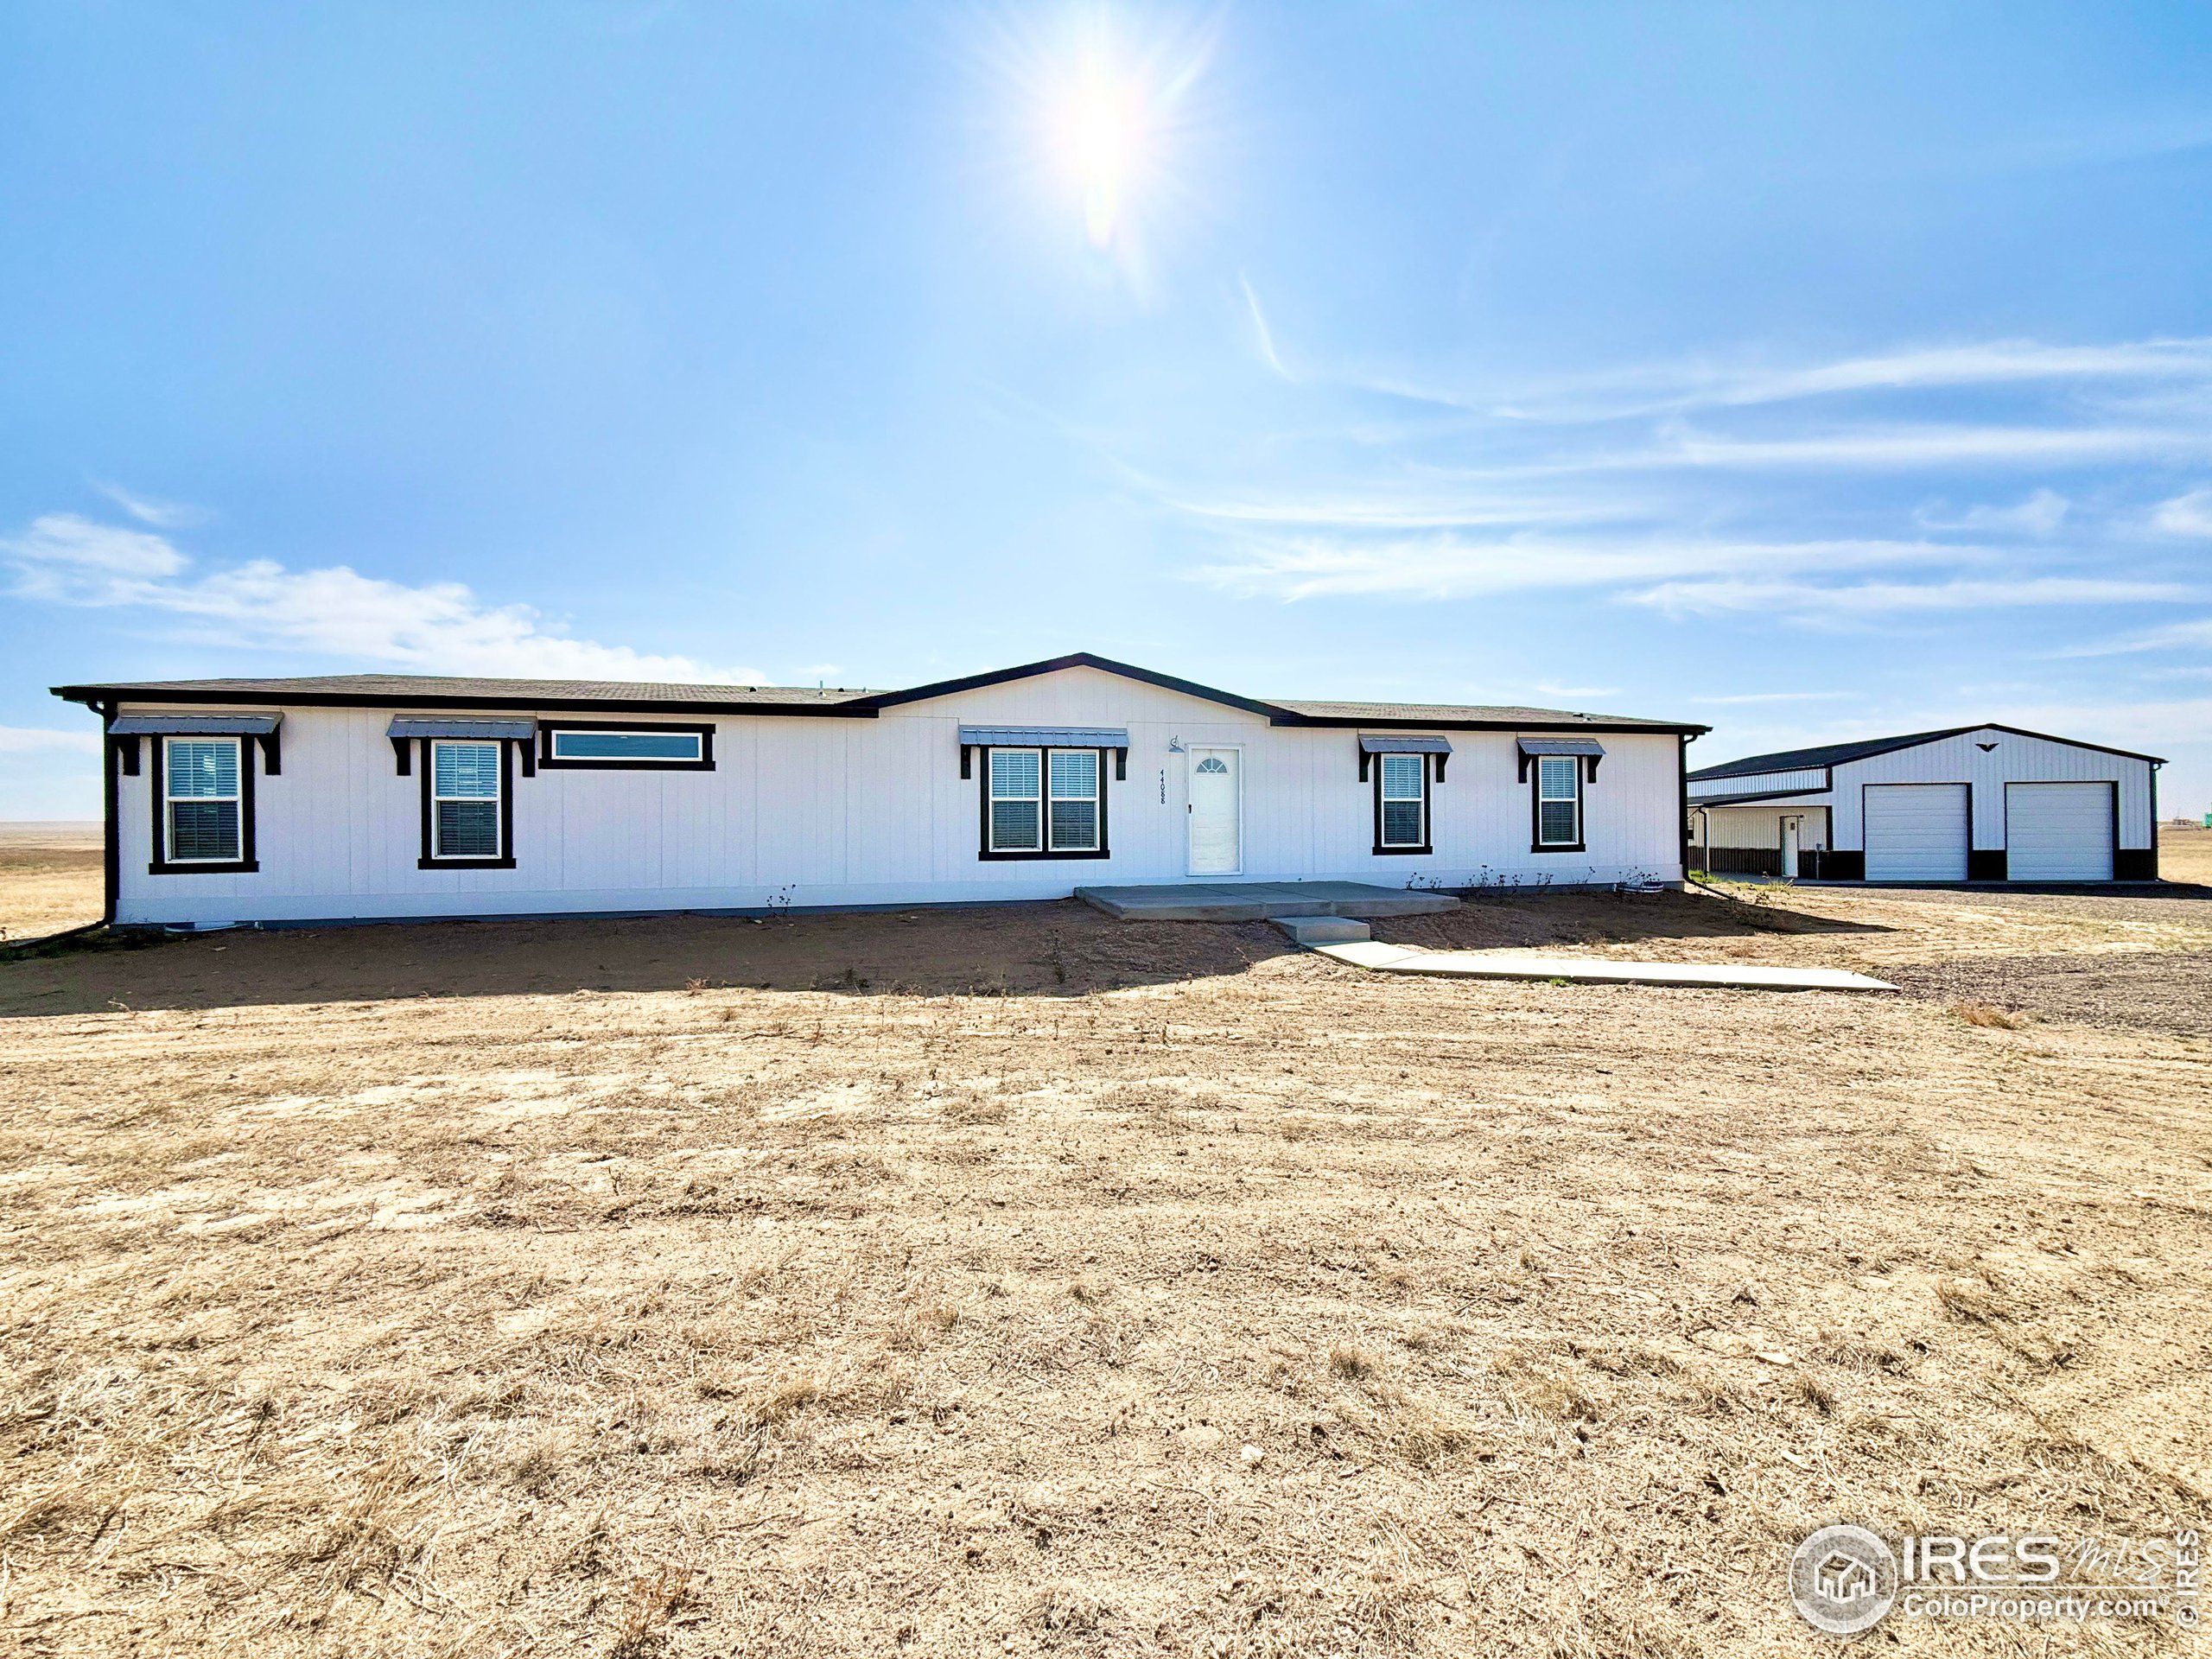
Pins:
x,y
1103,129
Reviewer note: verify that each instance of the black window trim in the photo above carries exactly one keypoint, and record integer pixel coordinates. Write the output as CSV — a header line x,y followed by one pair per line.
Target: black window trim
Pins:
x,y
506,860
1043,752
1384,849
1584,769
546,728
157,768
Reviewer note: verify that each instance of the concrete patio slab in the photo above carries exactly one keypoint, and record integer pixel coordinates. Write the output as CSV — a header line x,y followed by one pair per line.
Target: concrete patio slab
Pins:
x,y
1259,901
1582,970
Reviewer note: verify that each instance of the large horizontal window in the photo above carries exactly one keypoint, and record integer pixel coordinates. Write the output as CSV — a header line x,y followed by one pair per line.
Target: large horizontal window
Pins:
x,y
643,748
1044,803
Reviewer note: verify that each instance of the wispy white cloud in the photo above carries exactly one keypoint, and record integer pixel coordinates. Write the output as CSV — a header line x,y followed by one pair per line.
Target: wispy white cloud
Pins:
x,y
1447,566
24,739
1650,389
61,553
1748,697
1811,600
2192,634
1418,507
1906,446
1546,689
2185,515
162,515
1267,336
334,610
2041,515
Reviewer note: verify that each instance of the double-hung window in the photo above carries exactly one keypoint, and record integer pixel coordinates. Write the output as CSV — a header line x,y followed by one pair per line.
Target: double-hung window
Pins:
x,y
1559,800
1017,817
203,791
467,800
1044,803
1071,821
1404,801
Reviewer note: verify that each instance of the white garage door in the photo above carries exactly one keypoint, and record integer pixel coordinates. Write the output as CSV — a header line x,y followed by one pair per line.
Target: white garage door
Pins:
x,y
2058,832
1915,832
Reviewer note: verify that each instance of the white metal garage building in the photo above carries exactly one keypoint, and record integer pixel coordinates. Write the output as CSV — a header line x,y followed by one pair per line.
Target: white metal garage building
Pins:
x,y
1971,804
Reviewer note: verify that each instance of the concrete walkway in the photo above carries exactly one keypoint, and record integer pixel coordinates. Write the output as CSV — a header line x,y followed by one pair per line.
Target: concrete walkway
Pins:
x,y
1588,970
1259,901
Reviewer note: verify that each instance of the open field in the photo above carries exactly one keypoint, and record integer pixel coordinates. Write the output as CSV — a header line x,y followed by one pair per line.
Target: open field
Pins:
x,y
49,878
2185,853
1016,1280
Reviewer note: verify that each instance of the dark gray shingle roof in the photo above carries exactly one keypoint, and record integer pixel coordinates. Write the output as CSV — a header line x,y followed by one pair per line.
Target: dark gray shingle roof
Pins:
x,y
464,691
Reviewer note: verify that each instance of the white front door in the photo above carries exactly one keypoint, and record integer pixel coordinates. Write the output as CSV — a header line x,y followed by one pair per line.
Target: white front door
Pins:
x,y
1216,813
1790,848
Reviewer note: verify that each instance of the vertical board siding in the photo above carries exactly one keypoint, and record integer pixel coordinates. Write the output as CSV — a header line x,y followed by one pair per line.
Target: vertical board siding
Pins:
x,y
827,811
2014,759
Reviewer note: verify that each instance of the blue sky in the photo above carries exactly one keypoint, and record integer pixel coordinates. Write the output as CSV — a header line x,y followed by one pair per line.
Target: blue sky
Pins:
x,y
1810,371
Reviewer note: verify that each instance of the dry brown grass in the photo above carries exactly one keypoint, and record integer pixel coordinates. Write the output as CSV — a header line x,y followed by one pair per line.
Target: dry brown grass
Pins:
x,y
708,1320
2185,853
49,878
1987,1017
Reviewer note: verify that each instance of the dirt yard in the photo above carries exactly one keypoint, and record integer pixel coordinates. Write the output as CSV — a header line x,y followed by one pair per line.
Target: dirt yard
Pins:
x,y
1017,1281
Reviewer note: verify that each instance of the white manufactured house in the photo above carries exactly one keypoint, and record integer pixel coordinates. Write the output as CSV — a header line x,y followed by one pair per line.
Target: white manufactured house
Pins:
x,y
1973,803
374,796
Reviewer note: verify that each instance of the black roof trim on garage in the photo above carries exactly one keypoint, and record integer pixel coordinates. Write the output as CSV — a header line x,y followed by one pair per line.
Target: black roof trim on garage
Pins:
x,y
1837,754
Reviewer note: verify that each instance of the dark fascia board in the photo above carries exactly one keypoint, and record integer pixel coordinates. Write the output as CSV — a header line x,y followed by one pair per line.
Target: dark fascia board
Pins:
x,y
93,696
1275,714
1081,659
1752,765
1631,728
2070,743
858,708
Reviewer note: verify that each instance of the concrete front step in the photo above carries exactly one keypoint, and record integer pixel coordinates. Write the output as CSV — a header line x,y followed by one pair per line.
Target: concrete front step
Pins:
x,y
1311,930
1259,901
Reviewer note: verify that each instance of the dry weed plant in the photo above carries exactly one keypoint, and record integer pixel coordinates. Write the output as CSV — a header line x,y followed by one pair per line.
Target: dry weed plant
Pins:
x,y
714,1321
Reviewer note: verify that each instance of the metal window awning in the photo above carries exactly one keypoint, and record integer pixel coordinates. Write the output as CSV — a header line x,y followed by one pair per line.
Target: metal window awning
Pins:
x,y
509,731
1044,737
1116,738
405,728
194,725
1561,746
262,728
1589,748
1392,744
1375,743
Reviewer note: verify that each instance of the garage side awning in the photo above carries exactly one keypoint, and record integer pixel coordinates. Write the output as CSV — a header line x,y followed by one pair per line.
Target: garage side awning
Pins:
x,y
1589,748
